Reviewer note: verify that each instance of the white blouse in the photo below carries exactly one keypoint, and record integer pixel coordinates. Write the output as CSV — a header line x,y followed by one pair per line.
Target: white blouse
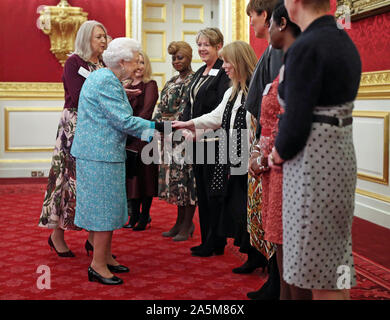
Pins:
x,y
213,120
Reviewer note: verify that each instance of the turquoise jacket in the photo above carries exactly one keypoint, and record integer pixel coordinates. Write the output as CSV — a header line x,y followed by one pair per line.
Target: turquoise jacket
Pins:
x,y
104,120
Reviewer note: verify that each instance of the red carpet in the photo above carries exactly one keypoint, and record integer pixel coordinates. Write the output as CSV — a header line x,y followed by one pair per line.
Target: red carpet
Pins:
x,y
160,269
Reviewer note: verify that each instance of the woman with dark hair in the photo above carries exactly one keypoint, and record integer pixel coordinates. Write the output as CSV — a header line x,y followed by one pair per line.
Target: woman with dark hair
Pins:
x,y
176,180
315,146
283,33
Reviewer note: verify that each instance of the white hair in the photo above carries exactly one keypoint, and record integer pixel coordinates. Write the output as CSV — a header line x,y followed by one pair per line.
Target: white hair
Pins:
x,y
82,43
120,49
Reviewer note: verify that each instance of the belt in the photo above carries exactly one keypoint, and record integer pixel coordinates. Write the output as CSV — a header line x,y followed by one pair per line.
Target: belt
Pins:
x,y
333,121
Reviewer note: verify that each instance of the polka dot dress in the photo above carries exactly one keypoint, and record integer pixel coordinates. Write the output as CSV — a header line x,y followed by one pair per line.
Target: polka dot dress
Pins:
x,y
318,205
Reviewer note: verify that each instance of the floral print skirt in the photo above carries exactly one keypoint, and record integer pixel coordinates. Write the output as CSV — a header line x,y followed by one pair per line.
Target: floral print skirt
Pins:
x,y
59,204
254,209
176,181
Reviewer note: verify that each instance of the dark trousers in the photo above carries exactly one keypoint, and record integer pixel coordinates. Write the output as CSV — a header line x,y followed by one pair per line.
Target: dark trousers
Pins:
x,y
210,209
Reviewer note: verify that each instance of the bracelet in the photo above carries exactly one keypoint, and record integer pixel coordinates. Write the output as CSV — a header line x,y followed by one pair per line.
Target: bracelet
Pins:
x,y
271,157
258,161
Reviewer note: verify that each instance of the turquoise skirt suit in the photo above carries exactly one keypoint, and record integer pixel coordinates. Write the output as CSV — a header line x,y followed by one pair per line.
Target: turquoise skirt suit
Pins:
x,y
105,118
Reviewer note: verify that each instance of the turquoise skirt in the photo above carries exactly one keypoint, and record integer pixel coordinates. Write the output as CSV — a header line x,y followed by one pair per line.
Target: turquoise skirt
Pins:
x,y
101,203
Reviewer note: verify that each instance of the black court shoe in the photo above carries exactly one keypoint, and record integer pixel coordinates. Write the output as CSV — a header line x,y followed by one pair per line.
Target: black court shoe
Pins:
x,y
118,269
207,252
94,276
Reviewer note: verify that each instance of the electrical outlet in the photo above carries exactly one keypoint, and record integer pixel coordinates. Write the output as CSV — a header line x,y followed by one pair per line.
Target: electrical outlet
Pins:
x,y
34,173
40,173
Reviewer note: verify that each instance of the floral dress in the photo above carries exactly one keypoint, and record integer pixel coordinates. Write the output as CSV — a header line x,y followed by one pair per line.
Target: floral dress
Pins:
x,y
59,204
254,208
176,181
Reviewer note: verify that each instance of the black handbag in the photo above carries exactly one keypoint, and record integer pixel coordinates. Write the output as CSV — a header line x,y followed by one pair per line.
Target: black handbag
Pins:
x,y
131,163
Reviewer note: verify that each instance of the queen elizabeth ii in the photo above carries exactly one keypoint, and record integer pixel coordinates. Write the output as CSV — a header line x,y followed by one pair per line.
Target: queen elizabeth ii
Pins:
x,y
105,118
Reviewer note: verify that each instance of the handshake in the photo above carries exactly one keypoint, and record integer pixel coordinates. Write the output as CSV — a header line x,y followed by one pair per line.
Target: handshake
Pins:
x,y
187,127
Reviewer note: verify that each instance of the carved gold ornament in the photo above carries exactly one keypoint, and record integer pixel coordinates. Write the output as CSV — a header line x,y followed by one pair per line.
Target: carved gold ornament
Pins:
x,y
61,24
359,9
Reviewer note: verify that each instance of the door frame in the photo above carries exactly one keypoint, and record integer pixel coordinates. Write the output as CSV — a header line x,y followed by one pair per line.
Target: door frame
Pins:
x,y
233,21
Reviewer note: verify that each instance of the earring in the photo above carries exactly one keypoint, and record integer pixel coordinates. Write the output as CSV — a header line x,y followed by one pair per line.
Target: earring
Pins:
x,y
280,29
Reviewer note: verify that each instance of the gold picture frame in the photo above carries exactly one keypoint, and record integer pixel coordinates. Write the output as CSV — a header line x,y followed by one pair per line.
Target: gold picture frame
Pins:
x,y
359,9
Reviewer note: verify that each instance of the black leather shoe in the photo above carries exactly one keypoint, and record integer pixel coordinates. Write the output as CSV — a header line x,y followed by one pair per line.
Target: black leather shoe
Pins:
x,y
118,269
206,252
197,247
248,267
94,276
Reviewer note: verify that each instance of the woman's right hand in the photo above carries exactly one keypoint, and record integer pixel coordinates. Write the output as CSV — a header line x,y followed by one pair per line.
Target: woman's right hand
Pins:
x,y
183,125
133,92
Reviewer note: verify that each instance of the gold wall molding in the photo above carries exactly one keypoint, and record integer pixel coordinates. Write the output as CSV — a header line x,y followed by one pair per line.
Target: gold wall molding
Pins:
x,y
360,9
25,160
200,7
128,18
163,8
240,21
373,195
7,111
31,91
374,85
61,24
384,179
145,34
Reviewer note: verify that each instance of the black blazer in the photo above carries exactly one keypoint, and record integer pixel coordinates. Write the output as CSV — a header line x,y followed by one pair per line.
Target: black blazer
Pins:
x,y
209,95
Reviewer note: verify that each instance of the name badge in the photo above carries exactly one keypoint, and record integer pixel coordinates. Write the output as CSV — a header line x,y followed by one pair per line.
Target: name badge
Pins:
x,y
84,72
281,74
266,90
213,72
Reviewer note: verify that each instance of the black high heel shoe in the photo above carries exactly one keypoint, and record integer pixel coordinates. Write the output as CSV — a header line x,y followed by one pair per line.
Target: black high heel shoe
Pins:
x,y
132,221
94,276
67,254
89,247
143,223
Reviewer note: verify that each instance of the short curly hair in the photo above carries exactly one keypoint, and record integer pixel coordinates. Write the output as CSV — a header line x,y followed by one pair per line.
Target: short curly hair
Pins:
x,y
120,49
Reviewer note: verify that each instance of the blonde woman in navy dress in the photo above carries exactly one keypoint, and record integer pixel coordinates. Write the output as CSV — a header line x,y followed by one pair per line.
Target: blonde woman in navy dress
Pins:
x,y
105,119
314,143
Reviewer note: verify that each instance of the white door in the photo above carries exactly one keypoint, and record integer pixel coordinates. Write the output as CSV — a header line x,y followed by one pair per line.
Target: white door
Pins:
x,y
164,21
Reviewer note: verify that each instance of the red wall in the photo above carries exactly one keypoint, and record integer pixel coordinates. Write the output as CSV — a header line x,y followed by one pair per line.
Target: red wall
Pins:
x,y
25,50
370,35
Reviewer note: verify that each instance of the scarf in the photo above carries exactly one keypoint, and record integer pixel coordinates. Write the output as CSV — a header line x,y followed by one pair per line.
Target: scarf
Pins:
x,y
222,168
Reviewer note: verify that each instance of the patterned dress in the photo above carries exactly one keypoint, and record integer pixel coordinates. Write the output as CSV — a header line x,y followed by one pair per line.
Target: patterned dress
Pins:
x,y
176,182
254,208
59,204
272,180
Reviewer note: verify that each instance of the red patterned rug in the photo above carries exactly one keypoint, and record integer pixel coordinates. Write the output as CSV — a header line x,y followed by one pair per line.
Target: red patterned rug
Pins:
x,y
160,269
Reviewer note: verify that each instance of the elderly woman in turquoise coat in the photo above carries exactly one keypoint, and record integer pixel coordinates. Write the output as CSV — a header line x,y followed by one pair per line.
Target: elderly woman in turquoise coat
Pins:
x,y
105,118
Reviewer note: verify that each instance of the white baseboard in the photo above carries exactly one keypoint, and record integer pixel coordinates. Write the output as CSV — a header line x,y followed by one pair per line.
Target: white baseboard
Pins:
x,y
378,214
